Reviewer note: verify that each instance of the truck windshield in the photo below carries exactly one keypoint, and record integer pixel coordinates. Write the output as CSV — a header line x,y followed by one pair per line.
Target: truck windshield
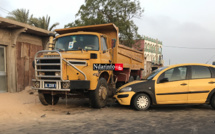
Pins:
x,y
154,73
77,42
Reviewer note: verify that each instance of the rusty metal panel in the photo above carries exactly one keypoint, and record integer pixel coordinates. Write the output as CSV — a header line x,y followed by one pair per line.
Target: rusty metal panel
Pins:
x,y
33,50
19,66
25,56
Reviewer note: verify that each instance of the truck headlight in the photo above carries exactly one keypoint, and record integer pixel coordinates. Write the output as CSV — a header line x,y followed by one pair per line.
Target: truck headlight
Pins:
x,y
57,73
41,73
65,85
36,84
125,89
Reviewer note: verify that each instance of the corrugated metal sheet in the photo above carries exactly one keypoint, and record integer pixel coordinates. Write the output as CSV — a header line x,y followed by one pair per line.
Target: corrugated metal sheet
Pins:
x,y
25,56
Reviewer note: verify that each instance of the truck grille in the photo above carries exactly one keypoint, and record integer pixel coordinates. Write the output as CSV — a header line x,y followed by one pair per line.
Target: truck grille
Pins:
x,y
48,68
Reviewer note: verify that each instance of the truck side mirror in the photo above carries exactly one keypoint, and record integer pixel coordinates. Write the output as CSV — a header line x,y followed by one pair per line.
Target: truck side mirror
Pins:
x,y
113,42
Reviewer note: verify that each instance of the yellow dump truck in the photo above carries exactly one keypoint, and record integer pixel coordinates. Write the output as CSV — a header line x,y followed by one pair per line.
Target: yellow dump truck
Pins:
x,y
85,61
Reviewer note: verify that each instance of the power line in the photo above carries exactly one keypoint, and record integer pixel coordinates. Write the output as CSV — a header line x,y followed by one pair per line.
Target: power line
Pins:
x,y
188,47
4,10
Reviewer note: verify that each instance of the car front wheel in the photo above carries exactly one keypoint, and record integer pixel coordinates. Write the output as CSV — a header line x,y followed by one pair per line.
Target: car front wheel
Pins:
x,y
141,102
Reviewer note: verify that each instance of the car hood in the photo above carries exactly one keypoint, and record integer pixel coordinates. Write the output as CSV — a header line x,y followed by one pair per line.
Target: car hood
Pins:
x,y
131,83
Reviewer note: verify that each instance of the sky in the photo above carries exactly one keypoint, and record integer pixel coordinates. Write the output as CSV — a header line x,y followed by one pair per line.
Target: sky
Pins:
x,y
185,27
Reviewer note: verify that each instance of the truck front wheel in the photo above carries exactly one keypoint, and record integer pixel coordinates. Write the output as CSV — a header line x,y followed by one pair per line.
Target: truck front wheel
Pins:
x,y
98,97
46,99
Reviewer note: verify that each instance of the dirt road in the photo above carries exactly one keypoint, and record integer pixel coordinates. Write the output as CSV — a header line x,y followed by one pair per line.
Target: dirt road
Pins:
x,y
22,113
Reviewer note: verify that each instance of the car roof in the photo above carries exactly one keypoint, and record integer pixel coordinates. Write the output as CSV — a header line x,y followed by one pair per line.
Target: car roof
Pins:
x,y
185,64
190,64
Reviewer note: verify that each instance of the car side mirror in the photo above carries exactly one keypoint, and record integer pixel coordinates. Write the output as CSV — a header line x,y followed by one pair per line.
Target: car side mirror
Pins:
x,y
164,80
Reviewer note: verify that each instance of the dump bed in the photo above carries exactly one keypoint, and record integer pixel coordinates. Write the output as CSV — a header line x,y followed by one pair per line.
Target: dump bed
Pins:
x,y
130,58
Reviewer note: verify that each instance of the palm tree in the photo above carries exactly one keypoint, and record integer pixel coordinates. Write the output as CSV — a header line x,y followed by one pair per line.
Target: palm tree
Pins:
x,y
21,15
43,22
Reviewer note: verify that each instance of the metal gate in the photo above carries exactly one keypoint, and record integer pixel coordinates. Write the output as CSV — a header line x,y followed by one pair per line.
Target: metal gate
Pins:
x,y
3,77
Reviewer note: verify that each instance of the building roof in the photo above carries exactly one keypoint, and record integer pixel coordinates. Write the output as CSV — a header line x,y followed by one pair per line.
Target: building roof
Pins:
x,y
13,25
152,40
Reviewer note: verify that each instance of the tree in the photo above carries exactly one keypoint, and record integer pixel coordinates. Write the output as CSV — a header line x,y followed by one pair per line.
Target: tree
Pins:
x,y
43,22
21,15
119,12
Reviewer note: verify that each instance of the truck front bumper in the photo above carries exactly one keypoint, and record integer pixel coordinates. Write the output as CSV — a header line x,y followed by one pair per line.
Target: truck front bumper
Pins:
x,y
58,85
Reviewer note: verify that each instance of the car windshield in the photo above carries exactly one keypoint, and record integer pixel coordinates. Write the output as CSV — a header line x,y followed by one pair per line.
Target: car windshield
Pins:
x,y
154,73
77,42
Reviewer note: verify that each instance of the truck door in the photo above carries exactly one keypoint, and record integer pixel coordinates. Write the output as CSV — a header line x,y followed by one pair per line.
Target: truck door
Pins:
x,y
105,55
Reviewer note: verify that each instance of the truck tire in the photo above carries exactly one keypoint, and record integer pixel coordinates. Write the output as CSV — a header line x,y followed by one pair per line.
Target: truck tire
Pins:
x,y
98,97
46,99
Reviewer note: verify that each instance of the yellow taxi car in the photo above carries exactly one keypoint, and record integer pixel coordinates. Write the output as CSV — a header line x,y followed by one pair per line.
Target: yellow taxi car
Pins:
x,y
175,84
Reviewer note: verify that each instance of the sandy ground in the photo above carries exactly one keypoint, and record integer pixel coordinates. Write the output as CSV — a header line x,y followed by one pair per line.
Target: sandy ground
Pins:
x,y
22,113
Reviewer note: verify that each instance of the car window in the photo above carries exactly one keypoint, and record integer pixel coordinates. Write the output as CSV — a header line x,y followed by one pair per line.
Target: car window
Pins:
x,y
175,74
154,73
200,72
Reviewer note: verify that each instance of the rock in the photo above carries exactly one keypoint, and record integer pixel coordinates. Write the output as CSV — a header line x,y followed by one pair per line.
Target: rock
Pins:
x,y
42,116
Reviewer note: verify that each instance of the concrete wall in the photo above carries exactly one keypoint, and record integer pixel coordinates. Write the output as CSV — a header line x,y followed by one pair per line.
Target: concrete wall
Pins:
x,y
5,36
31,39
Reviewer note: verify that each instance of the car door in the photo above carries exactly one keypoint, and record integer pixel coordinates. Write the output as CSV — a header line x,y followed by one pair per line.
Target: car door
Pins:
x,y
200,84
172,86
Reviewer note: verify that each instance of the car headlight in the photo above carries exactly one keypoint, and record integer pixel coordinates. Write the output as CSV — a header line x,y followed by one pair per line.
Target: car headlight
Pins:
x,y
125,89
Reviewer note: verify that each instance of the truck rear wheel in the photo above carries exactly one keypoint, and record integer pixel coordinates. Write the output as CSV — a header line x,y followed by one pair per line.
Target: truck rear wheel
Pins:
x,y
99,96
46,99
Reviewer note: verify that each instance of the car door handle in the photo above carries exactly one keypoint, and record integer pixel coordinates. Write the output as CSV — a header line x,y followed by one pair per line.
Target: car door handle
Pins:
x,y
184,84
211,82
